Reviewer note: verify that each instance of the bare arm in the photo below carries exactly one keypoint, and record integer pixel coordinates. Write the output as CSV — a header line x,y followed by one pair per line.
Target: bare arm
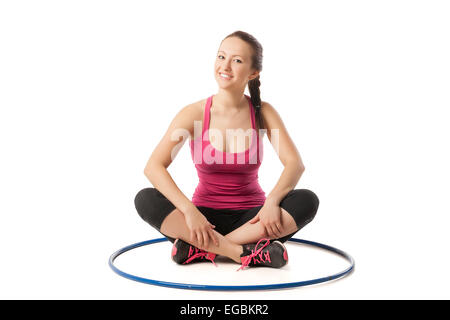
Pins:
x,y
162,180
181,127
163,155
287,152
270,213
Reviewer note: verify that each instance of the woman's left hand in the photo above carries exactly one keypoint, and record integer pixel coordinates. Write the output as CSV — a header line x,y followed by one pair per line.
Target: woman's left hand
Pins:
x,y
270,218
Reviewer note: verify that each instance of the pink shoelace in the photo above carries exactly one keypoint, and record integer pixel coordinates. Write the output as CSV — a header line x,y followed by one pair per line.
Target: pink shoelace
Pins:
x,y
257,256
195,253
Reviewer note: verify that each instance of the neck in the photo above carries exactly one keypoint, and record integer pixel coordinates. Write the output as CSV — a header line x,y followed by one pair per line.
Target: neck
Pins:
x,y
229,101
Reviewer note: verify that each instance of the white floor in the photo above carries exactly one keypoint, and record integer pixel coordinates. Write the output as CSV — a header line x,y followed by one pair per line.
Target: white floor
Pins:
x,y
305,263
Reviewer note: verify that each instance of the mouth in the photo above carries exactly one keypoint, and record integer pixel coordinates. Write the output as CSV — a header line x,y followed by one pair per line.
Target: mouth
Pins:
x,y
225,75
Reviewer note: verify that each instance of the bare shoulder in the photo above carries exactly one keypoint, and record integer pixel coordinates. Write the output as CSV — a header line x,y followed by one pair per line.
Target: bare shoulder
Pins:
x,y
188,114
266,107
194,110
269,113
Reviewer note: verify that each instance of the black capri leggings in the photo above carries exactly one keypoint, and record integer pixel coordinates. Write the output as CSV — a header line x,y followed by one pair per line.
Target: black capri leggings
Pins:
x,y
153,207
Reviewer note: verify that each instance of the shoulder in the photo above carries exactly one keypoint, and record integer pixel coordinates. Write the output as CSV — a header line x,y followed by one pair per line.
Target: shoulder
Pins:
x,y
271,117
269,112
187,115
266,107
193,109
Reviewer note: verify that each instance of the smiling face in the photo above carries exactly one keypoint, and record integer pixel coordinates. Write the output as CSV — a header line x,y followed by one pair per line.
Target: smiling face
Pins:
x,y
233,66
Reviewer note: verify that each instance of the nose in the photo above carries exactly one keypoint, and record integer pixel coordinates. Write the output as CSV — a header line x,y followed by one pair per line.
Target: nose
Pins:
x,y
226,65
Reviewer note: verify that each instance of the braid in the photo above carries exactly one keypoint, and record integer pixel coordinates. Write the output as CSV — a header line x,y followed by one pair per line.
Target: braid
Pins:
x,y
253,85
255,95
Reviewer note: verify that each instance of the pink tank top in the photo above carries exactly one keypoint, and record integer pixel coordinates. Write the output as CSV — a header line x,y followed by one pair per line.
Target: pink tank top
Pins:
x,y
227,180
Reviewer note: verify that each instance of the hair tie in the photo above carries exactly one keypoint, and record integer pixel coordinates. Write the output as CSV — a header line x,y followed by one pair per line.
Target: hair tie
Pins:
x,y
258,107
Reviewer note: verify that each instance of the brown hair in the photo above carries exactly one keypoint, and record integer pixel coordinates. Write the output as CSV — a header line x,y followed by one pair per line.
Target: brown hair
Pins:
x,y
253,85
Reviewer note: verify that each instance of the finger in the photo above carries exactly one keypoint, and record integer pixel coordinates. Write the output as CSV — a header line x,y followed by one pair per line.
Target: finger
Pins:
x,y
254,220
279,228
268,231
274,228
216,238
199,238
213,237
205,239
274,231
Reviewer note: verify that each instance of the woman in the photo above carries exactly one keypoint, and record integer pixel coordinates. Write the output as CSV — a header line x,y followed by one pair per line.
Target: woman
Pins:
x,y
229,213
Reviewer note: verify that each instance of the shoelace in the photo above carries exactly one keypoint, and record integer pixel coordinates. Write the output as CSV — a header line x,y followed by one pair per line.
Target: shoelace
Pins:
x,y
257,253
195,253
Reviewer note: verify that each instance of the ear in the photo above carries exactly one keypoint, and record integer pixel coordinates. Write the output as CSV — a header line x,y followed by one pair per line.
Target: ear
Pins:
x,y
253,75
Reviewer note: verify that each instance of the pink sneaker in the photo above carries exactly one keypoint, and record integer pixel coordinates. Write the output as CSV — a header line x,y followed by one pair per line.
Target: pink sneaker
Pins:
x,y
184,253
264,254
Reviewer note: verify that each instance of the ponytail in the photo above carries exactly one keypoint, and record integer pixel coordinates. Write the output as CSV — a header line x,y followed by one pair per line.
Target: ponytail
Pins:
x,y
255,95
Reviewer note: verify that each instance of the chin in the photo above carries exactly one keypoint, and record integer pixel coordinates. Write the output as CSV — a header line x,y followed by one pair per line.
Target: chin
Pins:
x,y
223,84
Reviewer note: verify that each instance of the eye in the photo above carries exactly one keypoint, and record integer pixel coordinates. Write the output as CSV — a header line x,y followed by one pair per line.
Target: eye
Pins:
x,y
221,56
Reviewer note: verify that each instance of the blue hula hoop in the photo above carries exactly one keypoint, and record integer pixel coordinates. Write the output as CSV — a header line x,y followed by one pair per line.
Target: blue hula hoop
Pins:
x,y
232,288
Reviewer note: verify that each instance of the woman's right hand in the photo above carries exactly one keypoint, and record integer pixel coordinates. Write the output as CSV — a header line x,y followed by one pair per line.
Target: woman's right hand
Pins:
x,y
200,228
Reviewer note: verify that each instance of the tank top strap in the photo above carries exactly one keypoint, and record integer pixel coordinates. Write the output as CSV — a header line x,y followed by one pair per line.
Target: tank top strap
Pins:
x,y
255,131
252,112
206,115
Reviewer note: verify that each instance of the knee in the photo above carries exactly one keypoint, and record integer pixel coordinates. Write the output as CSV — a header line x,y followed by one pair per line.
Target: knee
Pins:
x,y
306,204
142,196
310,197
143,202
309,200
152,206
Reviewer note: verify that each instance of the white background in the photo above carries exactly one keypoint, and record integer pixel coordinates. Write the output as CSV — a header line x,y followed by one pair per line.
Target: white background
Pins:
x,y
88,88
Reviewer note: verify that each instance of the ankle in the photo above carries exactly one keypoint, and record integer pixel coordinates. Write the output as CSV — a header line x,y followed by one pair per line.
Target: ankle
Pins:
x,y
238,252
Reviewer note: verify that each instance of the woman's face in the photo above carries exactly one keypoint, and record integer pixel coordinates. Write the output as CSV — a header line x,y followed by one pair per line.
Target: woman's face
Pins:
x,y
234,59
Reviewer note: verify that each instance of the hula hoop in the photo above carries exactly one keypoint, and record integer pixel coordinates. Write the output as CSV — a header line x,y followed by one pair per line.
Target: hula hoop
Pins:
x,y
232,288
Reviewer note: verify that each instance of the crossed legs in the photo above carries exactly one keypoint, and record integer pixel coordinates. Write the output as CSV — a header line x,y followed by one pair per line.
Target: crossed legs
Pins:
x,y
230,245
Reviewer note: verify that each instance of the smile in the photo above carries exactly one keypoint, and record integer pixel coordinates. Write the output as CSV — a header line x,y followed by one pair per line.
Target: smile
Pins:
x,y
225,76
